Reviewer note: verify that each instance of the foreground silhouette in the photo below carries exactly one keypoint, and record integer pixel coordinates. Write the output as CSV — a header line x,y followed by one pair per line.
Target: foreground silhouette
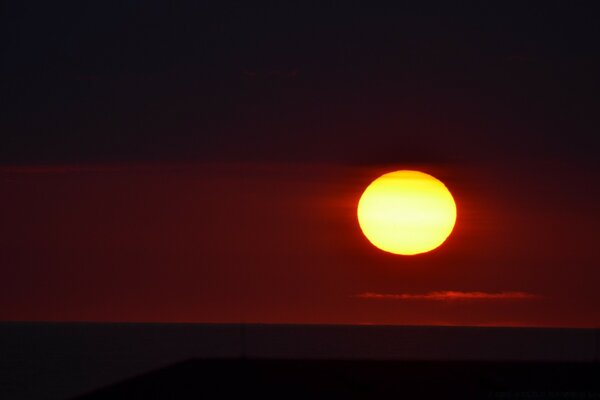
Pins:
x,y
310,379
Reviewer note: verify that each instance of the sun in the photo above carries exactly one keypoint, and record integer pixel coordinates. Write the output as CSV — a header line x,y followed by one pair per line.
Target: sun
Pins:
x,y
406,212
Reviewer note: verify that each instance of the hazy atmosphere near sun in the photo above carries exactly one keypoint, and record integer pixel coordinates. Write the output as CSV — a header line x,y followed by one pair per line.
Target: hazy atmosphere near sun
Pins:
x,y
175,161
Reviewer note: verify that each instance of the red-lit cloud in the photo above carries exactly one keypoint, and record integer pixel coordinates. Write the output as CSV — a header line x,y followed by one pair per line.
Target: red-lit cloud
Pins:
x,y
449,295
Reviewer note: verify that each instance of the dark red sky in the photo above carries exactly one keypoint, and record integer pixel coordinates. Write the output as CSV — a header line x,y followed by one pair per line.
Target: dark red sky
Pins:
x,y
281,243
173,161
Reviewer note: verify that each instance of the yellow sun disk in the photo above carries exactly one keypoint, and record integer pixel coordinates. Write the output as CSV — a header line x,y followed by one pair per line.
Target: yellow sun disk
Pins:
x,y
406,212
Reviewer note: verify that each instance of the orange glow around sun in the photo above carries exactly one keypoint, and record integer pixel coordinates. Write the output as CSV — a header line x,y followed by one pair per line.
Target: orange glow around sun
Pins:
x,y
406,212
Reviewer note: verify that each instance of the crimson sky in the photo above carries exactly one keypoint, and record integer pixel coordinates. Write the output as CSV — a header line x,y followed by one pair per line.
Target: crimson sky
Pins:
x,y
177,161
281,243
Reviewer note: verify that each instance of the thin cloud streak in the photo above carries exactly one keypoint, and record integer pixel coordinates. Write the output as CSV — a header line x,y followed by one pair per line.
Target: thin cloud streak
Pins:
x,y
449,295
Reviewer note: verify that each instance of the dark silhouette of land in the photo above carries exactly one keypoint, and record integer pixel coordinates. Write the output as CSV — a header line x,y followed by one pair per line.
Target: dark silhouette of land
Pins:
x,y
110,360
353,379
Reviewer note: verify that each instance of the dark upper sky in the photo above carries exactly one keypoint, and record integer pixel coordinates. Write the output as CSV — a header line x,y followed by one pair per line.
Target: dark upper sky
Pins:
x,y
225,146
173,80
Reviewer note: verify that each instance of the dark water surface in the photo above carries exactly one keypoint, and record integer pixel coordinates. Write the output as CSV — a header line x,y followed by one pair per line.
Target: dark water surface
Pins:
x,y
64,360
360,379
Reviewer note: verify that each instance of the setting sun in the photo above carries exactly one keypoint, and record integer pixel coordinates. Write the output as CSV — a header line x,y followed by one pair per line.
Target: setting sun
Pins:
x,y
406,212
